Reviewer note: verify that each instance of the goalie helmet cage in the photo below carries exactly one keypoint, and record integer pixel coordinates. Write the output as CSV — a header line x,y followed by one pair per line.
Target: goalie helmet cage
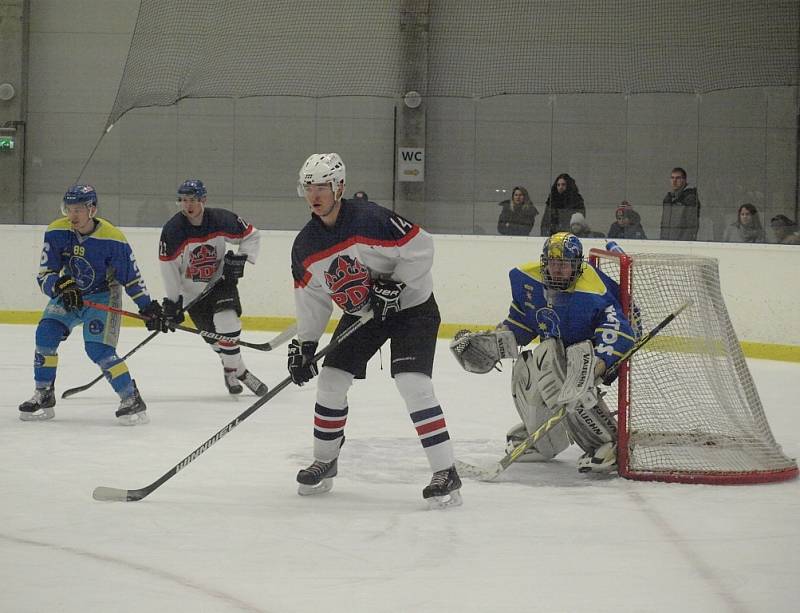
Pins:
x,y
689,411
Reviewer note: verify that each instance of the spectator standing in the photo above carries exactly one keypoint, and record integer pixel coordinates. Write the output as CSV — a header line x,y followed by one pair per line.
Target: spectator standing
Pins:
x,y
785,230
680,216
518,214
580,227
628,223
563,202
747,228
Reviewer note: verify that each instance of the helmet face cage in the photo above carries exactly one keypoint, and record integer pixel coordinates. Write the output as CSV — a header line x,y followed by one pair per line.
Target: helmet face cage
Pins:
x,y
319,169
565,247
80,194
192,188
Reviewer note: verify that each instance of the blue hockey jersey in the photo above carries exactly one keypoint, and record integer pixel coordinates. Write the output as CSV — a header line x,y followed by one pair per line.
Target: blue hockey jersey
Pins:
x,y
589,310
97,261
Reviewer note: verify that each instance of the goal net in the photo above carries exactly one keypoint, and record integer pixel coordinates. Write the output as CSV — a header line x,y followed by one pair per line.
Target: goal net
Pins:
x,y
688,408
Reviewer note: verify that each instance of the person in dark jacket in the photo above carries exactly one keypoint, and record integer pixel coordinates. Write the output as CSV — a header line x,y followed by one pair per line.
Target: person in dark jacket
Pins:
x,y
563,202
518,214
628,223
580,227
680,216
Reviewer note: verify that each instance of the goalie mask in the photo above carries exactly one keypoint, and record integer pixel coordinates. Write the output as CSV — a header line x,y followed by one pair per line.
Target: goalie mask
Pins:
x,y
322,168
562,261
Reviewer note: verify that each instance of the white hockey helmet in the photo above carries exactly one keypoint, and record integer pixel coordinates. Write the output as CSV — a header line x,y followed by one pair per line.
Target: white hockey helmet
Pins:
x,y
322,168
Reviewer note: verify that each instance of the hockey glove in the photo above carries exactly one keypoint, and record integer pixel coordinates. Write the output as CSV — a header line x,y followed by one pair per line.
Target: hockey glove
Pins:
x,y
385,297
70,294
155,317
173,314
233,268
301,368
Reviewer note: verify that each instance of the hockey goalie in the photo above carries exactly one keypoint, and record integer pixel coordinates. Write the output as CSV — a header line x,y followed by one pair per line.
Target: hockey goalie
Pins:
x,y
574,311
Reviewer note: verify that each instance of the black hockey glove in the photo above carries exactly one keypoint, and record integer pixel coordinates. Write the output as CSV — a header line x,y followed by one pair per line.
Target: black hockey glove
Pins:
x,y
173,314
70,294
233,268
301,369
155,317
385,297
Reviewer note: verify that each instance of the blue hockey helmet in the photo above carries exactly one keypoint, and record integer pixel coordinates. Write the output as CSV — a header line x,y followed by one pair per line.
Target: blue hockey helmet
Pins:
x,y
192,187
565,247
79,194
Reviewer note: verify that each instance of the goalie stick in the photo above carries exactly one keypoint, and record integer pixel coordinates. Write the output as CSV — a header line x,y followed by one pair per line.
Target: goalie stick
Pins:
x,y
120,495
490,473
268,346
82,388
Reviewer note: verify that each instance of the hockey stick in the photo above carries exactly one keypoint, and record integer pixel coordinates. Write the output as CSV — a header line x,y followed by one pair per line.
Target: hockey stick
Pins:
x,y
82,388
268,346
120,495
489,473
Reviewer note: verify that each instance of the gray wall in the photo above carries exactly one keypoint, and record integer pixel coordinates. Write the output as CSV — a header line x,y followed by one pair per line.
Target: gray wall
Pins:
x,y
737,146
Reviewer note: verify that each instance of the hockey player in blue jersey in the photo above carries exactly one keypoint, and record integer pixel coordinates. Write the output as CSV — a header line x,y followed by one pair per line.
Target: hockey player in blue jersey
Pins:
x,y
86,256
574,309
360,256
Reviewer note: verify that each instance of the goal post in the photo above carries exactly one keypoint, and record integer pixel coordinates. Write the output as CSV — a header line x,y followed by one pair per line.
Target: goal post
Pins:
x,y
688,408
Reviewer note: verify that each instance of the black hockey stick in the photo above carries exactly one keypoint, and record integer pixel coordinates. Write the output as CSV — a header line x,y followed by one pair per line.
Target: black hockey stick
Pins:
x,y
268,346
82,388
114,494
491,472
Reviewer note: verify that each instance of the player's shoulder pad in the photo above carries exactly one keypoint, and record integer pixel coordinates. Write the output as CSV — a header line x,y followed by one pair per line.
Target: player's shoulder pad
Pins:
x,y
62,223
108,231
226,221
591,281
532,270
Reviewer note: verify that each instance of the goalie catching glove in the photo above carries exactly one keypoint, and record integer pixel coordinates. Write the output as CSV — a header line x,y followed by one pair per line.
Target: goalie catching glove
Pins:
x,y
479,352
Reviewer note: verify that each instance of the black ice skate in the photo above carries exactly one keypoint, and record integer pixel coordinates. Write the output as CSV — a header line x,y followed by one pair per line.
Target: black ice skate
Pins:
x,y
317,478
443,490
132,410
40,407
252,382
231,382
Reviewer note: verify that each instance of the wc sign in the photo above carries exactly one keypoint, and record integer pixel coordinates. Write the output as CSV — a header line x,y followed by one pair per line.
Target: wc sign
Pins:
x,y
410,164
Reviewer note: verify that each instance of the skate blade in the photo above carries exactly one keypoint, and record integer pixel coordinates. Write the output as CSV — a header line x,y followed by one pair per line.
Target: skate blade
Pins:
x,y
40,415
323,487
137,419
443,502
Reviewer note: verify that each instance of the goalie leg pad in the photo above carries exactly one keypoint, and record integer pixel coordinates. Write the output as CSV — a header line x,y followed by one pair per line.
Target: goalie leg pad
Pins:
x,y
592,427
536,378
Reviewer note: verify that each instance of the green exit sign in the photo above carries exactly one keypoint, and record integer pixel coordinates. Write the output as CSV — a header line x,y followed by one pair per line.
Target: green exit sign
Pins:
x,y
6,143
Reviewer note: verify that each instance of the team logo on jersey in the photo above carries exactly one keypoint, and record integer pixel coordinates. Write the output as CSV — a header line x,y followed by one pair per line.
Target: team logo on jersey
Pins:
x,y
202,263
96,326
81,270
348,281
548,323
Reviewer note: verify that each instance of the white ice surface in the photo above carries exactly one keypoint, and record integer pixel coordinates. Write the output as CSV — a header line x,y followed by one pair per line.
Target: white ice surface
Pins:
x,y
230,533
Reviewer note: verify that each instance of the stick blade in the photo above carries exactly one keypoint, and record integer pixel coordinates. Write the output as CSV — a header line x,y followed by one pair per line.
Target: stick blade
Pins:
x,y
480,473
73,391
111,494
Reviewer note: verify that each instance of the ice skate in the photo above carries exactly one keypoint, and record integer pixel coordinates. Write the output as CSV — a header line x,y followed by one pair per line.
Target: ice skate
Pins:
x,y
317,478
602,460
231,382
252,382
132,410
40,407
443,490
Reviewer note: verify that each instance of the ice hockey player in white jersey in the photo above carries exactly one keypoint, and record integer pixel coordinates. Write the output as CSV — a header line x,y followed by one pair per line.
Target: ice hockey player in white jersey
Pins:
x,y
574,310
192,253
360,256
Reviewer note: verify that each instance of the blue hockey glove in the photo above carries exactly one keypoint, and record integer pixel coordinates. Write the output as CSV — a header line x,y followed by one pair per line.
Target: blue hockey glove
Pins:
x,y
70,294
301,368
